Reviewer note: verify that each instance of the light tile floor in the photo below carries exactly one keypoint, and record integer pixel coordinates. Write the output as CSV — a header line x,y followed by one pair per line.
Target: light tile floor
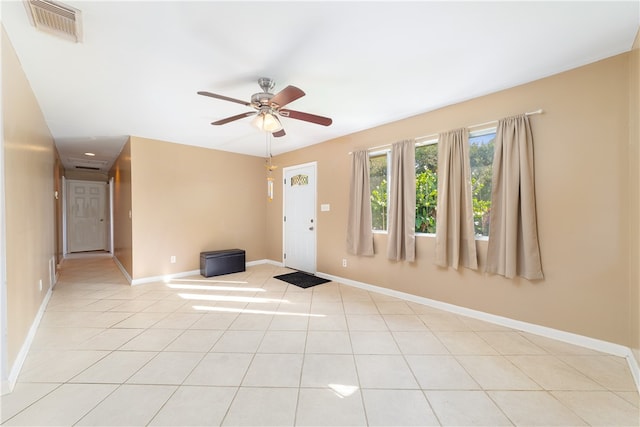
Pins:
x,y
248,349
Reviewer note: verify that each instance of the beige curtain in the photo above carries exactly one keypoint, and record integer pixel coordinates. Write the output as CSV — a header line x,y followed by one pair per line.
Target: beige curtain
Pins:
x,y
359,224
513,234
455,235
401,243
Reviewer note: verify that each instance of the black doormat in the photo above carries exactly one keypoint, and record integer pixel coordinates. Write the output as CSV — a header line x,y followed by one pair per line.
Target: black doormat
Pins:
x,y
303,280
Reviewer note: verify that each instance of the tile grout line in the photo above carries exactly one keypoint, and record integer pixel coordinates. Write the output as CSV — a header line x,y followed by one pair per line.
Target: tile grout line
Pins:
x,y
353,356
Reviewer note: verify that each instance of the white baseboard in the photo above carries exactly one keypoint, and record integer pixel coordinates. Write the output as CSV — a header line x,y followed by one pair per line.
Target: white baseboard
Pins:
x,y
568,337
122,269
24,350
265,261
163,278
634,366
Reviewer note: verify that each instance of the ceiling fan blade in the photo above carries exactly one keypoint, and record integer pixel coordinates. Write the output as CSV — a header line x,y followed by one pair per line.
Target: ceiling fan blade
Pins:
x,y
224,98
324,121
280,133
233,118
285,96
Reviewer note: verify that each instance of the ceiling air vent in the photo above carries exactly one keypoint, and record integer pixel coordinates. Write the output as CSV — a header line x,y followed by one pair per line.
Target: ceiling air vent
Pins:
x,y
55,18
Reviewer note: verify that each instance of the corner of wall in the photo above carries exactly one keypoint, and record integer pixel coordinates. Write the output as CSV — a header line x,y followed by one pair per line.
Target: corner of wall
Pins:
x,y
634,201
4,353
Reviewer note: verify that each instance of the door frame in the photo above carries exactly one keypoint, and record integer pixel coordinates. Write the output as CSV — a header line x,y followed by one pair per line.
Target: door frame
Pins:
x,y
5,385
313,164
108,209
111,196
64,216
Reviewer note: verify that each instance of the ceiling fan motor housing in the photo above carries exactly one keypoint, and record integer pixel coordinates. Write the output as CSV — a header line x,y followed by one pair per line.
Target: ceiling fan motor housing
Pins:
x,y
261,99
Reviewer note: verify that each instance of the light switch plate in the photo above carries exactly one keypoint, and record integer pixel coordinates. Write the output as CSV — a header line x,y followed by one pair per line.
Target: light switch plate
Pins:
x,y
325,207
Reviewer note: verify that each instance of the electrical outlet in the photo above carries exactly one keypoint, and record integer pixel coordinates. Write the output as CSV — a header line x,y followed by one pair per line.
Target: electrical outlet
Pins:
x,y
40,284
344,262
173,259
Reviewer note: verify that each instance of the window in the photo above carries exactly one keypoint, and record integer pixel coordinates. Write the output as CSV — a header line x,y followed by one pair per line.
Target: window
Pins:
x,y
426,187
378,179
481,146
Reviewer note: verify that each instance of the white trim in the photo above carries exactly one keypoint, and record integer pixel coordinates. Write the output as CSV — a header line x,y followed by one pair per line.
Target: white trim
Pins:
x,y
634,366
63,195
122,269
105,200
272,262
111,185
568,337
264,261
164,277
24,350
482,132
53,277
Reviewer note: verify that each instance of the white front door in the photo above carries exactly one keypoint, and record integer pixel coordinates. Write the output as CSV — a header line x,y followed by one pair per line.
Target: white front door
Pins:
x,y
300,217
86,216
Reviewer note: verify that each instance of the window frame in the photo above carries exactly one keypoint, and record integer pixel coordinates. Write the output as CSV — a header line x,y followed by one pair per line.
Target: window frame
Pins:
x,y
431,141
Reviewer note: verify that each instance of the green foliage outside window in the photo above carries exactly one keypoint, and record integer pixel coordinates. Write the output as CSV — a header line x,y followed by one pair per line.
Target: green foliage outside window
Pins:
x,y
426,188
378,183
481,159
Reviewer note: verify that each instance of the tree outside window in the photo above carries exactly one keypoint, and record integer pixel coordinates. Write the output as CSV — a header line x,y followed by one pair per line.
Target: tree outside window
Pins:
x,y
481,146
481,159
426,188
378,179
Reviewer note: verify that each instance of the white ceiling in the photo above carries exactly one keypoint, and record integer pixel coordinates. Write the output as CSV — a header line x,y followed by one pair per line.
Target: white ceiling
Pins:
x,y
363,64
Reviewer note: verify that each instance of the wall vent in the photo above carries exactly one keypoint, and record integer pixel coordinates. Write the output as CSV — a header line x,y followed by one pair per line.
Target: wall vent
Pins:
x,y
55,18
87,168
89,163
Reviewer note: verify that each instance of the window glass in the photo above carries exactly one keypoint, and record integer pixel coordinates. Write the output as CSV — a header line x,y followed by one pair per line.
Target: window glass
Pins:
x,y
481,158
378,177
426,187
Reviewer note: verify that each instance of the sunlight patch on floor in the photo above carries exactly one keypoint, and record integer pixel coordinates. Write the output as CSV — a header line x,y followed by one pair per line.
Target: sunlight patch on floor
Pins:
x,y
213,288
248,311
240,282
343,390
223,298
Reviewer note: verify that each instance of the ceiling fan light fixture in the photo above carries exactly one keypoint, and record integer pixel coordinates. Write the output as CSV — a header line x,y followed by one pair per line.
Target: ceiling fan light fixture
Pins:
x,y
267,122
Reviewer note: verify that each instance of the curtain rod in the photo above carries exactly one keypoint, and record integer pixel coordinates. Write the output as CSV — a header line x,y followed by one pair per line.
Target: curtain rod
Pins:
x,y
433,135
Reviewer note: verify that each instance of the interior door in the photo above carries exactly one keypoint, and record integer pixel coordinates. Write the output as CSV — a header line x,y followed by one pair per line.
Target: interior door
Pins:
x,y
86,216
300,217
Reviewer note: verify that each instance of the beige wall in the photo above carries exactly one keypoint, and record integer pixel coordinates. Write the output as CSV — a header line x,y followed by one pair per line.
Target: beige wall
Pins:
x,y
122,240
29,158
634,197
581,149
187,200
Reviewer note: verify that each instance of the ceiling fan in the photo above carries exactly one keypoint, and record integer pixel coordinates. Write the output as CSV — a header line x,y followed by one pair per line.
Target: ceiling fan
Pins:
x,y
269,106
